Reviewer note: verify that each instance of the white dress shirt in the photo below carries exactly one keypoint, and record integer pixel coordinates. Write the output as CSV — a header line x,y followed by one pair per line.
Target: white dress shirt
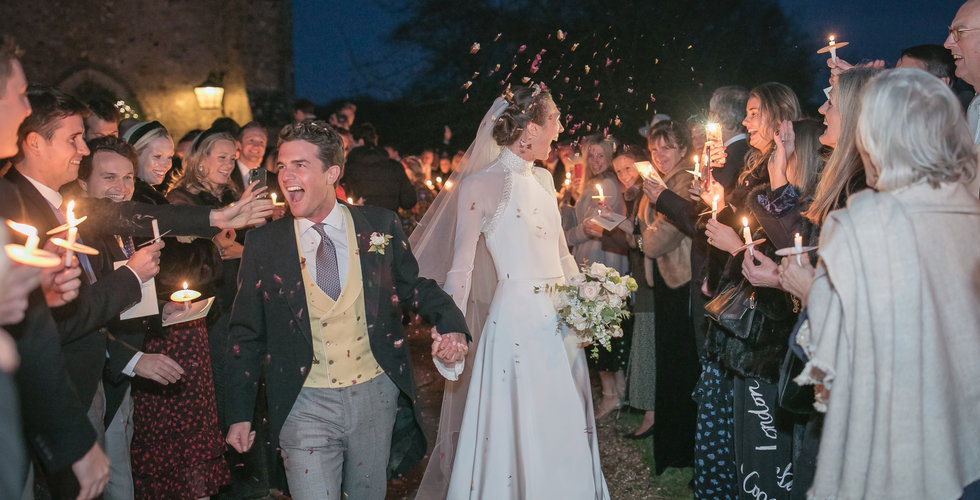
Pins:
x,y
335,227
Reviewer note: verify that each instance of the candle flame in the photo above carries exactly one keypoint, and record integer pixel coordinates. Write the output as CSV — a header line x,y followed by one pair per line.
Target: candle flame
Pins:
x,y
439,180
602,197
25,229
745,221
714,203
711,127
185,285
449,185
350,201
273,196
831,39
70,214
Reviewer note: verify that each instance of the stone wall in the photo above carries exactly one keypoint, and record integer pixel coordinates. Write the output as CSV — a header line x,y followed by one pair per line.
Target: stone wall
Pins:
x,y
152,53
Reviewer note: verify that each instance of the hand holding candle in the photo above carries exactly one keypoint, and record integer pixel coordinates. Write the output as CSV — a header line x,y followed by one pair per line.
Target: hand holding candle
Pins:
x,y
832,47
71,245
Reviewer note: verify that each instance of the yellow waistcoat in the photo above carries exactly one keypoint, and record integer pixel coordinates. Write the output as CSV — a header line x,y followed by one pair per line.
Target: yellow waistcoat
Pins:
x,y
341,350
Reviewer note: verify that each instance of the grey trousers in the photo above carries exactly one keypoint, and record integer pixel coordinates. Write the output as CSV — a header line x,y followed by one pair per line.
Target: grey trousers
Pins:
x,y
335,442
118,438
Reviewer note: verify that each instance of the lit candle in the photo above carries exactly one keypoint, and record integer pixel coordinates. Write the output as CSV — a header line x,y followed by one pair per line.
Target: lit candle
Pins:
x,y
350,201
156,229
185,296
449,185
72,232
28,230
697,165
28,254
714,207
704,161
712,132
747,235
428,183
439,182
275,200
601,197
832,47
798,248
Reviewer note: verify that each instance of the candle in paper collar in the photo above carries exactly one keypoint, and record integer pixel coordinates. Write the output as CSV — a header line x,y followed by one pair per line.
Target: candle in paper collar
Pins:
x,y
747,235
714,207
832,46
185,296
28,254
798,248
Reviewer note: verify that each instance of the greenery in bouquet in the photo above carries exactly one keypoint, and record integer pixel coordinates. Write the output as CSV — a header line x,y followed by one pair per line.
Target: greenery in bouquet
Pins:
x,y
593,303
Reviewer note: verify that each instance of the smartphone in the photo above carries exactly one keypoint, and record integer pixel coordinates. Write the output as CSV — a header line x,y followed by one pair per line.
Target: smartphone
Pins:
x,y
258,174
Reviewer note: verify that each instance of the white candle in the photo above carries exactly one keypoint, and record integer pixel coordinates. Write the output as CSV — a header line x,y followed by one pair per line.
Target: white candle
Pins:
x,y
72,232
833,49
697,165
712,132
798,247
273,196
714,207
156,229
27,230
747,234
602,196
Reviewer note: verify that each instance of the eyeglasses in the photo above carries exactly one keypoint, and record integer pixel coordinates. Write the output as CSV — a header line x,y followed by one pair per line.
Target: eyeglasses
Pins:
x,y
957,33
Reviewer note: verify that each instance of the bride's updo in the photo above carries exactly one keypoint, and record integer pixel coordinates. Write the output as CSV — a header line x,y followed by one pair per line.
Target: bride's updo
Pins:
x,y
527,104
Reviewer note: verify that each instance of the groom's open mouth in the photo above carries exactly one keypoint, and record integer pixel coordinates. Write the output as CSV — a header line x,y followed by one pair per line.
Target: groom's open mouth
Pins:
x,y
295,194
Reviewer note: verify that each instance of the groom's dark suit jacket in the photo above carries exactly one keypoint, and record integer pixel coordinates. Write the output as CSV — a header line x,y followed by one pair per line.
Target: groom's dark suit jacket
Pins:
x,y
270,328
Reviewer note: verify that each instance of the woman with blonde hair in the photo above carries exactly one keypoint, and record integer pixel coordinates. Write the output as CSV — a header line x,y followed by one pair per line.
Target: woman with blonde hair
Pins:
x,y
601,191
893,325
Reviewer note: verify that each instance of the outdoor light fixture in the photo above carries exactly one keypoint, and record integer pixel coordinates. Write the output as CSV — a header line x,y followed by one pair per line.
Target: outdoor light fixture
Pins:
x,y
210,92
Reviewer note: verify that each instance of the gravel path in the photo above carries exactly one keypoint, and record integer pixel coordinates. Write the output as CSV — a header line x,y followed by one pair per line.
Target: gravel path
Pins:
x,y
626,474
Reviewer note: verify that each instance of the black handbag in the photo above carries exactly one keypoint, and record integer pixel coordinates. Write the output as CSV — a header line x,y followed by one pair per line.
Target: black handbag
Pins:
x,y
792,396
733,309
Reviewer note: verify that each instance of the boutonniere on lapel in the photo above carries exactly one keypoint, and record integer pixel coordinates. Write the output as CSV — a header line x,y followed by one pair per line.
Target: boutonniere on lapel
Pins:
x,y
379,242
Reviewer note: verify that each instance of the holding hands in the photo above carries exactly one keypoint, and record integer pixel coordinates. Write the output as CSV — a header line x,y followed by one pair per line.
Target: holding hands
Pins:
x,y
449,348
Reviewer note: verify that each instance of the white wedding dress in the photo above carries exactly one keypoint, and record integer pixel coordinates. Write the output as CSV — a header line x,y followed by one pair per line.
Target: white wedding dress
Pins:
x,y
528,430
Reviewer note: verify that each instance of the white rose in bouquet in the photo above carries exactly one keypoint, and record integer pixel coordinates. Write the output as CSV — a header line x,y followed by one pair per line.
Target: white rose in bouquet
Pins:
x,y
598,270
576,279
590,290
614,301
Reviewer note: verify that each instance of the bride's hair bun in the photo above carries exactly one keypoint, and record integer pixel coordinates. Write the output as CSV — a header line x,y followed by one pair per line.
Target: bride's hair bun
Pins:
x,y
525,107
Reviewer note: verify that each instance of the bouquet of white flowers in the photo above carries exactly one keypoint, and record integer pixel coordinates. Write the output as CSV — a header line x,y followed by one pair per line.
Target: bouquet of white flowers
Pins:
x,y
593,303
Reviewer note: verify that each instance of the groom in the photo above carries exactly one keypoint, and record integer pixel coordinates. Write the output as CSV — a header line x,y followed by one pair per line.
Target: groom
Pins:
x,y
318,310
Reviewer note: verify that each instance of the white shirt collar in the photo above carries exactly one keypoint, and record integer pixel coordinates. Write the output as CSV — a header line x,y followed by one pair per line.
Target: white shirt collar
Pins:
x,y
334,219
53,197
243,170
734,138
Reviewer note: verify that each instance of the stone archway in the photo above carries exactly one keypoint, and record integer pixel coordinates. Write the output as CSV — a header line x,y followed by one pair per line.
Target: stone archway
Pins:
x,y
90,83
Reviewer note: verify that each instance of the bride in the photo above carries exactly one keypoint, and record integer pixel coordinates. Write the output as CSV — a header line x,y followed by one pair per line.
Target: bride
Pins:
x,y
527,428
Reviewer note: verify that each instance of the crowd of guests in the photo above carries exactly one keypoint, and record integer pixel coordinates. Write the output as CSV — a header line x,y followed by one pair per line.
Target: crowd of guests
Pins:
x,y
806,322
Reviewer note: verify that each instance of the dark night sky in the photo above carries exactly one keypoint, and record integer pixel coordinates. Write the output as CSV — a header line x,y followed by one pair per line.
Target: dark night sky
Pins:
x,y
341,48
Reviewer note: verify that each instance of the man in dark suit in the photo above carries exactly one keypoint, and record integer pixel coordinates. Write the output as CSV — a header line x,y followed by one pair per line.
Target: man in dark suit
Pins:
x,y
54,422
109,172
318,311
50,151
727,108
372,176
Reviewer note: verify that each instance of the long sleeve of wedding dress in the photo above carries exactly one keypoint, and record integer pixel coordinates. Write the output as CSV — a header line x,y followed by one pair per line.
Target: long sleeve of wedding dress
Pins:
x,y
479,197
